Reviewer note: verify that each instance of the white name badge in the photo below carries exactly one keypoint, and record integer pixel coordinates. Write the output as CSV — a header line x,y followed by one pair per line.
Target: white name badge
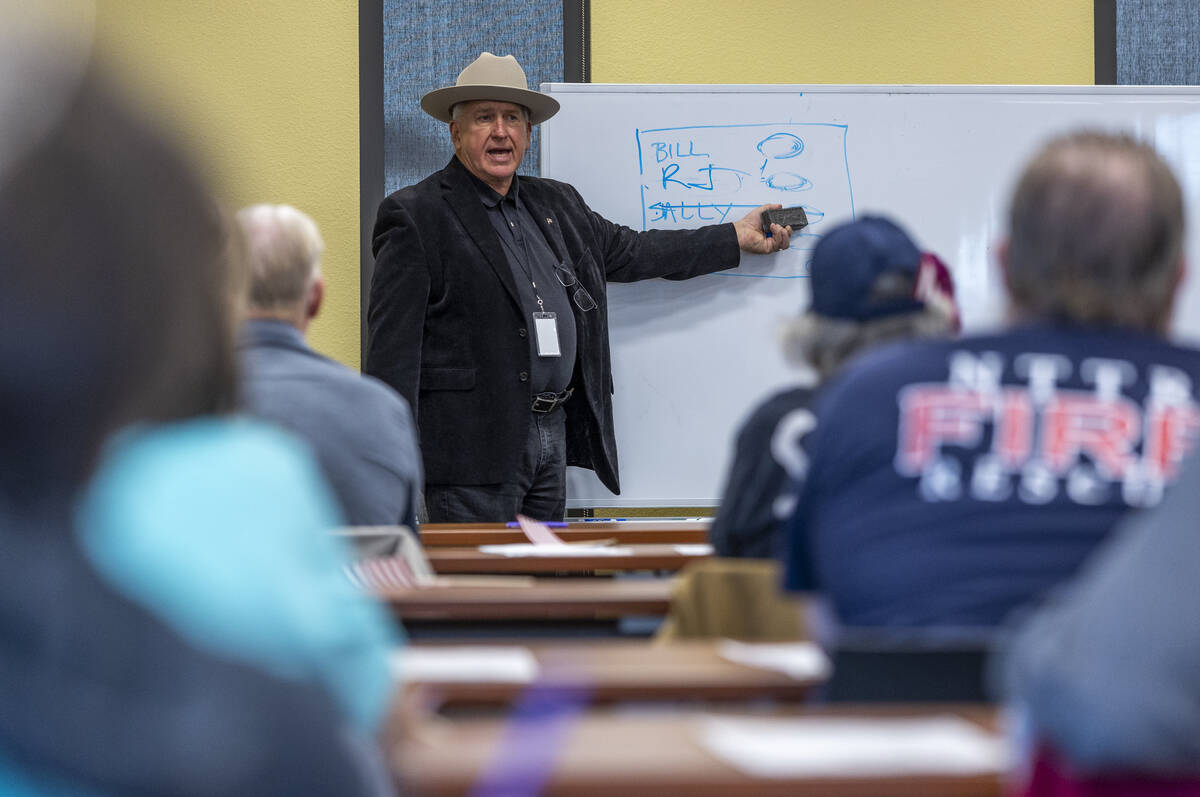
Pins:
x,y
545,329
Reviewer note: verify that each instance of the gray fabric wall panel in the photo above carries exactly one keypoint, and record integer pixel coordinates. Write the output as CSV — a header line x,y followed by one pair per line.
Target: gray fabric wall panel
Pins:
x,y
426,43
1158,42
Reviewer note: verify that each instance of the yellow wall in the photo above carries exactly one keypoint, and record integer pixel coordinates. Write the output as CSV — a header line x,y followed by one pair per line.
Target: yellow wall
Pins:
x,y
845,41
267,93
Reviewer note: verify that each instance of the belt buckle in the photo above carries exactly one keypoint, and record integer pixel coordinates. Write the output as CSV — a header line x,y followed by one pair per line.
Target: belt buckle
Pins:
x,y
545,402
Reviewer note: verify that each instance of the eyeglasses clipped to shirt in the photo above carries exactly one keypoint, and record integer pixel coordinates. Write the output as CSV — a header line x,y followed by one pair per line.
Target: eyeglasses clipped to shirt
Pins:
x,y
583,300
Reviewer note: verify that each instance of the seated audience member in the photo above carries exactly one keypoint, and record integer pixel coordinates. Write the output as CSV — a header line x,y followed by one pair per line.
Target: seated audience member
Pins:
x,y
361,430
870,284
952,481
113,310
1108,672
221,525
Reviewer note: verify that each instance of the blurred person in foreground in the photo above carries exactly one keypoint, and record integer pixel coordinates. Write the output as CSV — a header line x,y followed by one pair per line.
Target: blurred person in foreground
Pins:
x,y
951,482
1108,672
361,430
144,648
870,284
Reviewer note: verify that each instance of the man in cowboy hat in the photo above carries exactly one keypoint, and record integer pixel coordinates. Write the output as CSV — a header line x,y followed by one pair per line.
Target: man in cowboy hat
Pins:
x,y
488,313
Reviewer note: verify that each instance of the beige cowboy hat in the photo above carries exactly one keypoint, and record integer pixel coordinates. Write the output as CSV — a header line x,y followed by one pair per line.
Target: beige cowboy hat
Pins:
x,y
490,77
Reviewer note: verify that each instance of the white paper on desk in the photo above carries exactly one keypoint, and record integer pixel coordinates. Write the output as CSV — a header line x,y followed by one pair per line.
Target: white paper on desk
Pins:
x,y
860,746
533,549
803,661
695,549
464,663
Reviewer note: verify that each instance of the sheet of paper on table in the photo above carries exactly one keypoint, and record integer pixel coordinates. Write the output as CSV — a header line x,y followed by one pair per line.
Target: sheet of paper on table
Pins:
x,y
860,746
534,549
465,663
801,660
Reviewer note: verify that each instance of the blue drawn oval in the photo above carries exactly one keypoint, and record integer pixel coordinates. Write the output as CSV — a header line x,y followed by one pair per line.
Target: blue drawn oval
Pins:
x,y
788,181
781,145
814,214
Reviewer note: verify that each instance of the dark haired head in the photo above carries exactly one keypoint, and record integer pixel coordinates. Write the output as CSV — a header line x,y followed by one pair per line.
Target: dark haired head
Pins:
x,y
114,288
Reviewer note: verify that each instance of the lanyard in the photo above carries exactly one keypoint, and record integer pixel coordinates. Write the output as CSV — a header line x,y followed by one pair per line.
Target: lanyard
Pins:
x,y
525,264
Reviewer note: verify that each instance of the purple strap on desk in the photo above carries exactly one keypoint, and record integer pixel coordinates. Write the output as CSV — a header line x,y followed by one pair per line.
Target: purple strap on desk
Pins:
x,y
530,743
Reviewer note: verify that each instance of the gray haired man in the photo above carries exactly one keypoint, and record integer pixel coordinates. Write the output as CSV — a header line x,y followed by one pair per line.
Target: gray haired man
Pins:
x,y
488,309
361,430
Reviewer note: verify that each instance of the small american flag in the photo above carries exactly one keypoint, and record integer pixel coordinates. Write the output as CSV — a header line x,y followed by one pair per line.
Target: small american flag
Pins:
x,y
384,573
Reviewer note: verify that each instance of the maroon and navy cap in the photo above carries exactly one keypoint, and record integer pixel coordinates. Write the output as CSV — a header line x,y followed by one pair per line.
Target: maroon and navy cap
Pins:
x,y
849,265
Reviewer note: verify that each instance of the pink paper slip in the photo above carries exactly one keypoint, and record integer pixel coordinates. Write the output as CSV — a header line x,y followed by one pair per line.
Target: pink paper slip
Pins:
x,y
538,532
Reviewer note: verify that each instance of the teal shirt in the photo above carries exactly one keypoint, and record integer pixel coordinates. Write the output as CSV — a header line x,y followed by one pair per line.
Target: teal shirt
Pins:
x,y
16,782
220,527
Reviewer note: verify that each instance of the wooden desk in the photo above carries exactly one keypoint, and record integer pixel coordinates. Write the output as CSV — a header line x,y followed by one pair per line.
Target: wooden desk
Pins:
x,y
663,558
636,532
615,671
603,754
530,599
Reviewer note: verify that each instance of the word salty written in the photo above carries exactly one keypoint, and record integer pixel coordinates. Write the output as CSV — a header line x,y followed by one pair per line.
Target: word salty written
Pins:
x,y
1041,439
689,211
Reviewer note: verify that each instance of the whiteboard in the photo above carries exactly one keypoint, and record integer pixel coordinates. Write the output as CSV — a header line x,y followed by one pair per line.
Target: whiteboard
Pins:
x,y
691,358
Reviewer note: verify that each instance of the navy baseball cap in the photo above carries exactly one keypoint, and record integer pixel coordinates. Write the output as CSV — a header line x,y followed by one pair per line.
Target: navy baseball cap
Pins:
x,y
849,261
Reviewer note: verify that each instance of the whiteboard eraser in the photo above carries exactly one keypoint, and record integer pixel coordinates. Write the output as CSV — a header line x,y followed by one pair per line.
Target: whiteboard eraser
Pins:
x,y
795,218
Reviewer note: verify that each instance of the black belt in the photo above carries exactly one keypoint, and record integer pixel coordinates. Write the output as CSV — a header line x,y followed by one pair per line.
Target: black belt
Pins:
x,y
548,402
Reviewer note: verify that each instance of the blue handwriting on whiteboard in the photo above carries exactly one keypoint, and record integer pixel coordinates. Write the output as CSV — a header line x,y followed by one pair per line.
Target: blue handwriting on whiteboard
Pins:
x,y
705,174
670,170
781,145
693,211
674,149
788,181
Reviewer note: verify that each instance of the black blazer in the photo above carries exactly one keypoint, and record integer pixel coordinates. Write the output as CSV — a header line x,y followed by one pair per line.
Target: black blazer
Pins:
x,y
446,330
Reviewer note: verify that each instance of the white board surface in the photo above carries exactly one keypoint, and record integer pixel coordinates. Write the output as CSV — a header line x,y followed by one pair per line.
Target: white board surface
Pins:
x,y
690,359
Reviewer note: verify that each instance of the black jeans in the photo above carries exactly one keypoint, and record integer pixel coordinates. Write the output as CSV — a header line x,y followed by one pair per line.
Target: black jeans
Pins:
x,y
539,489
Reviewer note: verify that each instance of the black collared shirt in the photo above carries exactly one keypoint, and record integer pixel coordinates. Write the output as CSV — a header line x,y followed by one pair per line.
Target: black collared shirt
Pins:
x,y
533,262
